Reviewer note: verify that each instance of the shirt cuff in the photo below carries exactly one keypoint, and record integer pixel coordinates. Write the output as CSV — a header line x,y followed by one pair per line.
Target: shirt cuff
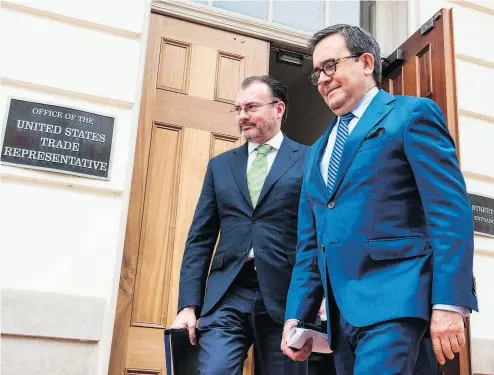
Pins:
x,y
286,321
459,309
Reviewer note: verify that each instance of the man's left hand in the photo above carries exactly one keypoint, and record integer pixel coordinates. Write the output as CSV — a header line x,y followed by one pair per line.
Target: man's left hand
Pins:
x,y
293,354
447,333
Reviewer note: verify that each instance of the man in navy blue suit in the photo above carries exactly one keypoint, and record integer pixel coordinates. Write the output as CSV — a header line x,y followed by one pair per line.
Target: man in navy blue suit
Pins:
x,y
250,197
385,226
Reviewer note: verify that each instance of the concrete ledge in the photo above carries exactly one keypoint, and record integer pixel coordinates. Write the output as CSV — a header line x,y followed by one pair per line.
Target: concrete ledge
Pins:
x,y
482,356
51,315
73,20
25,355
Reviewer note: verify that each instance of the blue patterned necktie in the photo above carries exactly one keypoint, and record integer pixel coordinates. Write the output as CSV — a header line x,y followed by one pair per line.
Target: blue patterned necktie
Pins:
x,y
341,137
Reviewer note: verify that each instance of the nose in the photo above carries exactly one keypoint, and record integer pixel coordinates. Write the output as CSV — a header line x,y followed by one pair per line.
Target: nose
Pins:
x,y
323,78
243,115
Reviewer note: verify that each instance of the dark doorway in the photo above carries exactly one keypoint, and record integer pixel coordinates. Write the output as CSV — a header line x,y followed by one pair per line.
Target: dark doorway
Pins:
x,y
308,115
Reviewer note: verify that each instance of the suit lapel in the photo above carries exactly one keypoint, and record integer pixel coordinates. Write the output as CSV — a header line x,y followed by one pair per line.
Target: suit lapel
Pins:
x,y
238,165
287,155
378,108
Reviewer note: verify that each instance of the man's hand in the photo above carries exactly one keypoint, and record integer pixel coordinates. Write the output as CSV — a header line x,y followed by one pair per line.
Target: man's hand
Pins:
x,y
448,334
296,355
322,310
186,318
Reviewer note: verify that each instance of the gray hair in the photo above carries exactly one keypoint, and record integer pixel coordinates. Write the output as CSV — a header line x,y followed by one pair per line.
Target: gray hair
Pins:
x,y
358,41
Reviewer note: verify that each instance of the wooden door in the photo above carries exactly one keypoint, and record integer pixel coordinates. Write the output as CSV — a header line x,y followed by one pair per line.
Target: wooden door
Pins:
x,y
191,78
425,66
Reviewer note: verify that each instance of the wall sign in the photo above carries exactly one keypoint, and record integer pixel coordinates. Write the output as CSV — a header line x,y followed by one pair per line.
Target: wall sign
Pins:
x,y
57,139
483,214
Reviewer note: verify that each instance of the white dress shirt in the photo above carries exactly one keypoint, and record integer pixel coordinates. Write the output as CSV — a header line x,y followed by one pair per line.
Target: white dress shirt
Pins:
x,y
358,111
275,143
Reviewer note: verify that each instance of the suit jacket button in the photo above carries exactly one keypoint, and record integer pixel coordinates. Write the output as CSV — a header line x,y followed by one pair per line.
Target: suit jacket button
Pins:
x,y
331,204
254,220
323,248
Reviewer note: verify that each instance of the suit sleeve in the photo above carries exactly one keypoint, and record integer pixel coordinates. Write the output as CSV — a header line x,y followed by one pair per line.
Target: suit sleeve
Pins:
x,y
199,247
305,292
431,153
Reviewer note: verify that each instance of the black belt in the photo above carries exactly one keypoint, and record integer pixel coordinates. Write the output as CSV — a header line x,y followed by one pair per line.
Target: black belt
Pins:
x,y
247,276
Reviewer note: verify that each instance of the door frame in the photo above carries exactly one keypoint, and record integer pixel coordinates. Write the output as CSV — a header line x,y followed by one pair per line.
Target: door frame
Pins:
x,y
277,35
289,38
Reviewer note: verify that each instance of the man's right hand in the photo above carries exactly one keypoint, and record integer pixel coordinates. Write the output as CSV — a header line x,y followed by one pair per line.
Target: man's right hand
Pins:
x,y
296,355
186,318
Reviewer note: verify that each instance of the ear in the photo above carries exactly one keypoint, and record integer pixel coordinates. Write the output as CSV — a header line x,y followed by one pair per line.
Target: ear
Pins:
x,y
368,61
280,109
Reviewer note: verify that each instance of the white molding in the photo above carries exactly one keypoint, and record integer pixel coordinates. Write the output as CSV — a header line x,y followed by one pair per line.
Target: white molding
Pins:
x,y
32,355
474,60
476,115
478,176
270,10
391,25
70,20
326,13
488,253
11,174
67,93
482,361
234,22
413,17
480,6
35,313
108,324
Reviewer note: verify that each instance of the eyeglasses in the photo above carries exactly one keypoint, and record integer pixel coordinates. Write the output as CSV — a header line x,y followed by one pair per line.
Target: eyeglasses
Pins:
x,y
329,68
249,108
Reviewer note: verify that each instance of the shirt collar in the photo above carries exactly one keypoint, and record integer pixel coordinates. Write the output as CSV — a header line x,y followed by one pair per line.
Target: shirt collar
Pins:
x,y
360,108
274,142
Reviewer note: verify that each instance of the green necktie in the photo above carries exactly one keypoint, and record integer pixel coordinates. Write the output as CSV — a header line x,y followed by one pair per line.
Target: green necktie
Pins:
x,y
257,173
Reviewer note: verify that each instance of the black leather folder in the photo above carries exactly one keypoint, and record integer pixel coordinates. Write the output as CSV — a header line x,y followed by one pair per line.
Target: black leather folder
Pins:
x,y
181,357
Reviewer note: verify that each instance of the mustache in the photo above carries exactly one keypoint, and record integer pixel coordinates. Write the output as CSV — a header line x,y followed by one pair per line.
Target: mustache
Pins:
x,y
246,124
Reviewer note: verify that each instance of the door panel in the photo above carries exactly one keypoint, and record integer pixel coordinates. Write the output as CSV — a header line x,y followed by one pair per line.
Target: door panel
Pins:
x,y
194,112
157,218
191,78
425,66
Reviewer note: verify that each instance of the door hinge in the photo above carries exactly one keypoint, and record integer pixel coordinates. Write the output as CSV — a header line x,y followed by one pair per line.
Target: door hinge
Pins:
x,y
428,26
393,61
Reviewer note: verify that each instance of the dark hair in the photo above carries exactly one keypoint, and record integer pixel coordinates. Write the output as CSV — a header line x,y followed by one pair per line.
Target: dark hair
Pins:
x,y
278,89
358,41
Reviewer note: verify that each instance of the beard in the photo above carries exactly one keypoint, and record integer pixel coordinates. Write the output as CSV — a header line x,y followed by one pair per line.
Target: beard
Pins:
x,y
257,132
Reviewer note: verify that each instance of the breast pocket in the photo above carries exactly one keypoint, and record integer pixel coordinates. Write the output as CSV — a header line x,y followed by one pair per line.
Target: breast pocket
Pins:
x,y
377,142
